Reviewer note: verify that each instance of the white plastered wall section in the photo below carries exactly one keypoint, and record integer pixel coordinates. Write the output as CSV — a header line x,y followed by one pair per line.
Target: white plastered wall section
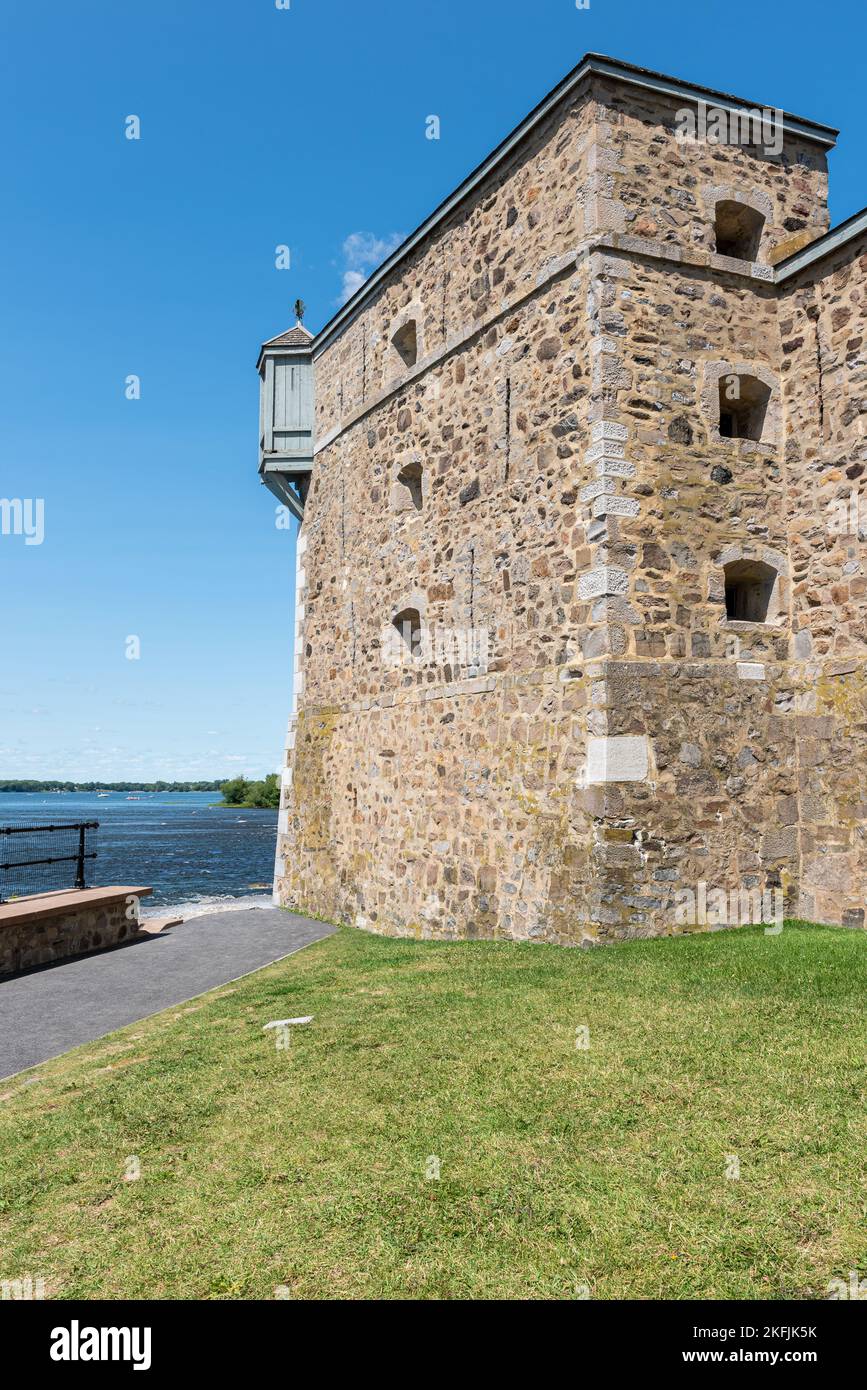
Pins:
x,y
297,693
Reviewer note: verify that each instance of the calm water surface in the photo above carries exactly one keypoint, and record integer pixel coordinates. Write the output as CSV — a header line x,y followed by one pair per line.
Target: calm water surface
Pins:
x,y
194,855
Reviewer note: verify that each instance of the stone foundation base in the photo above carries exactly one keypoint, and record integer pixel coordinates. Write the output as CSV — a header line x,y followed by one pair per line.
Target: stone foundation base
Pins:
x,y
600,801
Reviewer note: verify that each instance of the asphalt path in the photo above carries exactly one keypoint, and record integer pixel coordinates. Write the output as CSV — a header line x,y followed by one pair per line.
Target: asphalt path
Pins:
x,y
48,1010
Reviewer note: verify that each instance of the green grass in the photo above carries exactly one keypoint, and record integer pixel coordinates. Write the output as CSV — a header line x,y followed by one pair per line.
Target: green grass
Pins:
x,y
560,1167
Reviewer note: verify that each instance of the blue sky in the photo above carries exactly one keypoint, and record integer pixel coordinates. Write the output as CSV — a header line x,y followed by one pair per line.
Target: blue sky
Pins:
x,y
259,127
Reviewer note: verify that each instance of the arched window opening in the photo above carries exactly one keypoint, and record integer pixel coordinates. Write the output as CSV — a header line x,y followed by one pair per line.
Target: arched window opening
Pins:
x,y
749,585
738,230
743,405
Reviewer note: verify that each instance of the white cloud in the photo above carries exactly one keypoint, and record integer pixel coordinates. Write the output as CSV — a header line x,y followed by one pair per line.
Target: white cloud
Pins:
x,y
352,281
362,253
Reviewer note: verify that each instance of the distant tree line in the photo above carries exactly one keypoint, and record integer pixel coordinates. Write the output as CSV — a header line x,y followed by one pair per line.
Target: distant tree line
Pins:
x,y
23,786
240,792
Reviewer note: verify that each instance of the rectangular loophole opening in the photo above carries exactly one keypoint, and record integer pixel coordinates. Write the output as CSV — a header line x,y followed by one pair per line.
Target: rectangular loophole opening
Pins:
x,y
749,585
743,405
738,230
405,344
407,624
410,482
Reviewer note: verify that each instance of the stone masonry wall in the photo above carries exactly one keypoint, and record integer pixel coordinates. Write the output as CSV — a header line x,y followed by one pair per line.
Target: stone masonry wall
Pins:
x,y
625,740
499,430
822,329
449,811
457,799
823,355
56,936
662,188
690,500
684,697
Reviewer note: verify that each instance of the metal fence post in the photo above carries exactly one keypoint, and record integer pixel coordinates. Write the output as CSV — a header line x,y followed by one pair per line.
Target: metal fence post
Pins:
x,y
79,868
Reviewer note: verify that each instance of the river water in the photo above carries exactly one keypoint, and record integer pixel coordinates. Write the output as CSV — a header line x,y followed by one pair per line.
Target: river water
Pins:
x,y
195,856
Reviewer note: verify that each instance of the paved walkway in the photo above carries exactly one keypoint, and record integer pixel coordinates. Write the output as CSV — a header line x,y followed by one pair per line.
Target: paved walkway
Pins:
x,y
49,1010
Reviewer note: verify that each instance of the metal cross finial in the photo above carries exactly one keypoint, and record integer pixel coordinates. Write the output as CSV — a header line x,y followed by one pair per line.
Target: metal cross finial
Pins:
x,y
300,309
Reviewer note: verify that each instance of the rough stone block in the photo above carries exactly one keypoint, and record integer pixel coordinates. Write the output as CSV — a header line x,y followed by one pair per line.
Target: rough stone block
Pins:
x,y
611,505
608,579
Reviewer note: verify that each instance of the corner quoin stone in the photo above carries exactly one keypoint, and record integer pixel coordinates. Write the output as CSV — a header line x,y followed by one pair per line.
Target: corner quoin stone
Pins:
x,y
608,580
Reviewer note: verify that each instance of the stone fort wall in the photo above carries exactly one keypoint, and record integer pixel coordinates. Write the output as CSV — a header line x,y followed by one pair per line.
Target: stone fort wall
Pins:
x,y
573,497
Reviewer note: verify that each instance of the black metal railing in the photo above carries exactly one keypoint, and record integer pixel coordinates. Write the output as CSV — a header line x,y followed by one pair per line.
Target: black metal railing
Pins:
x,y
38,858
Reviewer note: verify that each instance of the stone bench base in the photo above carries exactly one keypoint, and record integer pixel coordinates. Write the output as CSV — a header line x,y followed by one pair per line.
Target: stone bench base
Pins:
x,y
52,926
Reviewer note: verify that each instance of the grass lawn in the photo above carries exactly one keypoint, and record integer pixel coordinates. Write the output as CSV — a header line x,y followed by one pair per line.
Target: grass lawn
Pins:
x,y
305,1169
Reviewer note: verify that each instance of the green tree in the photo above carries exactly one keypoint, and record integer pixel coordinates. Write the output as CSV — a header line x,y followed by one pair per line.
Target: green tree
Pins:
x,y
265,794
235,791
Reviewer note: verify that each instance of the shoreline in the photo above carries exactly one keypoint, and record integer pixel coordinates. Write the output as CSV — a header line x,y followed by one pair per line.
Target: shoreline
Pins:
x,y
190,908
